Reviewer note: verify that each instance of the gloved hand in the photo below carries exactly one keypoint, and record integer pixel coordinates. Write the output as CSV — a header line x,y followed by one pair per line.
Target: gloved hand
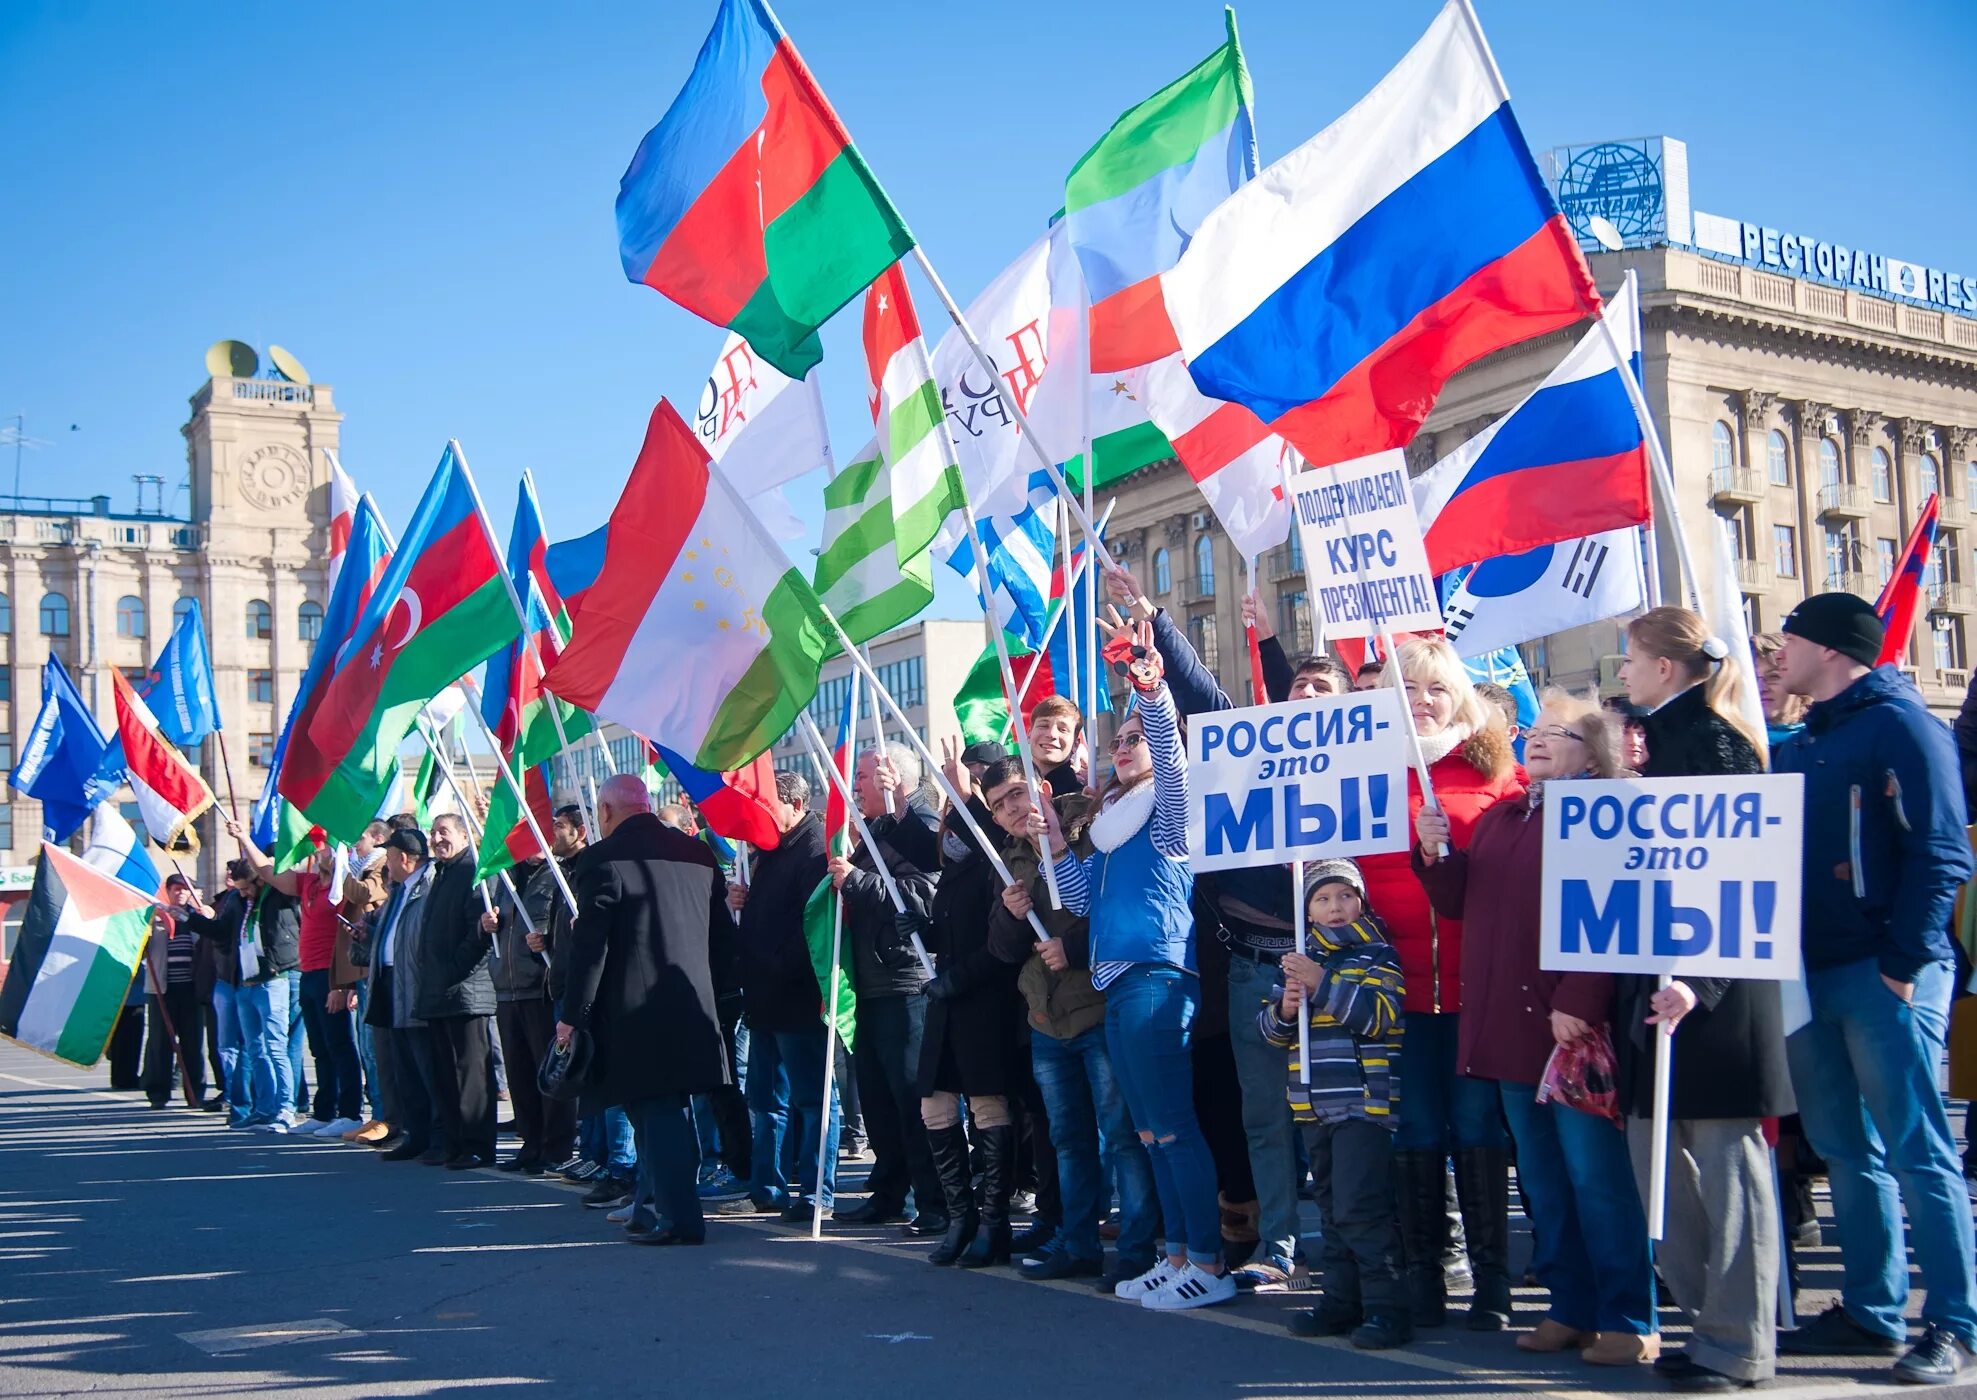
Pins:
x,y
939,989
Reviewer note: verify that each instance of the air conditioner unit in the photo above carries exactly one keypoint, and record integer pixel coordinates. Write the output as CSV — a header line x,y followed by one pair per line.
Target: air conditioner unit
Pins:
x,y
1200,520
1609,675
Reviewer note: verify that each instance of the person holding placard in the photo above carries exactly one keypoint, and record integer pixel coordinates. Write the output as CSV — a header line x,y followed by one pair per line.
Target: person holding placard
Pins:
x,y
1589,1233
1720,1248
1443,1114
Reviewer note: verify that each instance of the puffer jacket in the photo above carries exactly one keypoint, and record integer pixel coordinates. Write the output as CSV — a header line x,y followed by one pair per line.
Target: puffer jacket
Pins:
x,y
1060,1004
1469,780
1355,1035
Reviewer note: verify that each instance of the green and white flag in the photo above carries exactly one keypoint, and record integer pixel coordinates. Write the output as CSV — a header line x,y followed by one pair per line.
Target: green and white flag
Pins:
x,y
79,948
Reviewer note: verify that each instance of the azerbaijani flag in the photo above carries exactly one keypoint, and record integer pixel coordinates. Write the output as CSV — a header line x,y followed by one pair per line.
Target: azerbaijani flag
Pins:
x,y
1901,595
170,793
698,631
440,610
79,947
748,204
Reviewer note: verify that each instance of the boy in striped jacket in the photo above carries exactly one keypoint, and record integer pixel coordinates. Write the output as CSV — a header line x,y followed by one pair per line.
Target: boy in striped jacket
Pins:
x,y
1349,986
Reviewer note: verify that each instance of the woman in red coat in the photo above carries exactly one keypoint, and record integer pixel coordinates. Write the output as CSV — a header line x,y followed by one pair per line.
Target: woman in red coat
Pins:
x,y
1443,1114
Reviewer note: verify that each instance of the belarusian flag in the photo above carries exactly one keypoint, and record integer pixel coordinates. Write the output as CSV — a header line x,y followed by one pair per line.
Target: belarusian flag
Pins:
x,y
748,204
440,610
698,632
170,793
78,950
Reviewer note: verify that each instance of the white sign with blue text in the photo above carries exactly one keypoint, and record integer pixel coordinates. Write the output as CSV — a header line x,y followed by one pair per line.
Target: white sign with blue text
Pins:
x,y
1303,780
1691,877
1364,560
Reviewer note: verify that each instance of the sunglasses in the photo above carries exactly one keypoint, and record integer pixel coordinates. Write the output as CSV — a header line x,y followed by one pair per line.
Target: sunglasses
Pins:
x,y
1127,741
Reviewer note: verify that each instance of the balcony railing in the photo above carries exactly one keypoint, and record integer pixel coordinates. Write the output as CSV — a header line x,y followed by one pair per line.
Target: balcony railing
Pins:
x,y
1851,581
273,391
1753,575
1956,680
1198,590
1951,597
1736,484
1951,513
1844,498
1285,565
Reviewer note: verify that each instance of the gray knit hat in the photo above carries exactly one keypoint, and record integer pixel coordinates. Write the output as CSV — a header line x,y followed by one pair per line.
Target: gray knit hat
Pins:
x,y
1325,872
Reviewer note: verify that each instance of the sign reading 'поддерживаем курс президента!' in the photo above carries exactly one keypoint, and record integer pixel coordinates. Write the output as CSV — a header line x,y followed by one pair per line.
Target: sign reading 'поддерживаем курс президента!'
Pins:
x,y
1695,877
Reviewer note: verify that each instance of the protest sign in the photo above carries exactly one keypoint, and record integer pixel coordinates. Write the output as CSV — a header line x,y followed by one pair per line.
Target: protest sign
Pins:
x,y
1298,781
1362,544
1683,877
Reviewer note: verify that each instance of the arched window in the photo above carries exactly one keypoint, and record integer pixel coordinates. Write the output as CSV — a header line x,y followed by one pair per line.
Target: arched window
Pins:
x,y
1829,462
130,616
309,621
6,615
1930,475
1777,459
1204,565
1970,480
1884,483
1163,572
1722,446
54,615
260,620
181,608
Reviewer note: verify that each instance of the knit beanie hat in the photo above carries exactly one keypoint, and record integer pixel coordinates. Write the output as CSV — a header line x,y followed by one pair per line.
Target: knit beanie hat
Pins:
x,y
1326,872
1845,622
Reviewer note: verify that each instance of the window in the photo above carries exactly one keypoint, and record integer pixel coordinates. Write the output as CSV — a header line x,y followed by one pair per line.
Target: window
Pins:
x,y
260,750
1839,553
1829,462
828,706
905,681
1722,446
1294,547
1204,565
6,615
1884,556
1930,475
6,685
54,615
261,687
309,621
7,752
1947,634
260,620
1884,476
1935,569
1785,551
1163,572
138,676
130,617
1969,494
1777,459
180,609
1202,634
1294,624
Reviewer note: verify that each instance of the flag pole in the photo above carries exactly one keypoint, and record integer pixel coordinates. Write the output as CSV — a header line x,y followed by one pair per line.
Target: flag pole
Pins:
x,y
1071,643
508,884
444,761
1300,917
831,988
878,734
1090,643
226,771
1652,550
1064,619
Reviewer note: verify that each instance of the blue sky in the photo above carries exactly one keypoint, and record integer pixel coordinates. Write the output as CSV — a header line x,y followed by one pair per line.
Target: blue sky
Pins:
x,y
417,199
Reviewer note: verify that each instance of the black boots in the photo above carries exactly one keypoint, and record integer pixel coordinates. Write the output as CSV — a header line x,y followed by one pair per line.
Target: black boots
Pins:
x,y
1419,1179
950,1149
1482,1184
991,1246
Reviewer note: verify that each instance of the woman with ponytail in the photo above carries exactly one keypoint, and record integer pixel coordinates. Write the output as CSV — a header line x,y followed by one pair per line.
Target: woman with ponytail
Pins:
x,y
1720,1249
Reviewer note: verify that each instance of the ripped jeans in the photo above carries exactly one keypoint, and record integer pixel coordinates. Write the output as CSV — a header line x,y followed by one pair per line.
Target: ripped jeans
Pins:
x,y
1149,1011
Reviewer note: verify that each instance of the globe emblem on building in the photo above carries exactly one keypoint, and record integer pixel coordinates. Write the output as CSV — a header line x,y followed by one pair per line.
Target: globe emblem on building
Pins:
x,y
1616,182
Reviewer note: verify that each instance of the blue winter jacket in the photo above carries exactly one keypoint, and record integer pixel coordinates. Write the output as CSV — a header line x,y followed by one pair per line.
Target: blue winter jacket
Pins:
x,y
1885,847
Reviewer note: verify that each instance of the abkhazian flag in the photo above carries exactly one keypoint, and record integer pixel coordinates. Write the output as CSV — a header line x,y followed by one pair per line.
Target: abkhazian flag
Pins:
x,y
79,946
170,793
874,571
698,633
748,204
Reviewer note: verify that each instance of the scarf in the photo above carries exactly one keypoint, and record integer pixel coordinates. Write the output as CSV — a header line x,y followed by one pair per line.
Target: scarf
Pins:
x,y
1122,818
1535,793
1436,747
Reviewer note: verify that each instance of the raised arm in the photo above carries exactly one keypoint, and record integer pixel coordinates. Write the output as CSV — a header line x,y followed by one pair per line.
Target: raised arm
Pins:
x,y
1170,772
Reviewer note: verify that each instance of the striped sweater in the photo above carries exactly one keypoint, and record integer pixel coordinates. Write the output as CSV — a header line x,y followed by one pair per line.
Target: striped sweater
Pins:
x,y
1355,1028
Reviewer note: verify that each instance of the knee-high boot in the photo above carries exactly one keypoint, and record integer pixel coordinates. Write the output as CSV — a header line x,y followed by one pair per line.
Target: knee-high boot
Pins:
x,y
1418,1191
991,1246
950,1150
1482,1184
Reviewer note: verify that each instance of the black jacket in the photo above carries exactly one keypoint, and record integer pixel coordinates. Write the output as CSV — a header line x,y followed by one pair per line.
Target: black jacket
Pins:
x,y
518,973
1730,1050
883,963
650,902
779,986
1965,730
280,930
975,1040
453,951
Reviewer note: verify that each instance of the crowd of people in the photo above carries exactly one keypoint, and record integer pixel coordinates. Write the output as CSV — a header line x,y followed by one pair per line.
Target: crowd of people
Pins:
x,y
1059,1022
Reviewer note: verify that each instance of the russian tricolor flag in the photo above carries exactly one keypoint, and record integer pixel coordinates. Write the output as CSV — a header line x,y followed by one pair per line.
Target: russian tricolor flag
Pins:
x,y
1335,294
1568,462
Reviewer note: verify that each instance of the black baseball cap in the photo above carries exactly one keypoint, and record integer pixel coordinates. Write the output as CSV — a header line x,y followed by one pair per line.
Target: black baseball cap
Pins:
x,y
988,751
408,840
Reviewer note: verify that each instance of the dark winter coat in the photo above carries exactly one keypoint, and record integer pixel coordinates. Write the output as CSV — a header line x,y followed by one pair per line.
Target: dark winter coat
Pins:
x,y
883,963
973,1042
453,949
779,986
1965,731
1730,1050
650,901
1060,1004
518,973
279,929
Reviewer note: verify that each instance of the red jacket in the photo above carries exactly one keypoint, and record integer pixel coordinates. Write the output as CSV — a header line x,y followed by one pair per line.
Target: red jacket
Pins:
x,y
1430,947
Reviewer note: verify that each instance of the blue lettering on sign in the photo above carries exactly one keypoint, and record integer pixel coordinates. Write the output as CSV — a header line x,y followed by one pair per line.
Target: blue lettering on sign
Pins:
x,y
1360,812
1674,930
1852,267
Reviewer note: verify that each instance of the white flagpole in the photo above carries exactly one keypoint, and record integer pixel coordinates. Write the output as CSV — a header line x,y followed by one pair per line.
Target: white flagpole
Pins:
x,y
1664,1069
1299,919
831,988
1071,642
878,736
1651,545
1065,619
444,762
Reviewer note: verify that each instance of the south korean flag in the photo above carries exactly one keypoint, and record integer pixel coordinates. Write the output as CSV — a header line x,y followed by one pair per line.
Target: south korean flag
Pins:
x,y
1518,598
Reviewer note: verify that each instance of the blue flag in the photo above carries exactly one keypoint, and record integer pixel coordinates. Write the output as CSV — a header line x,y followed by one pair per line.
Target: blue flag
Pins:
x,y
67,765
179,688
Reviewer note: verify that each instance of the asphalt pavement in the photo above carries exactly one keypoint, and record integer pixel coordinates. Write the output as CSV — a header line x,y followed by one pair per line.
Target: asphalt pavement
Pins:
x,y
154,1252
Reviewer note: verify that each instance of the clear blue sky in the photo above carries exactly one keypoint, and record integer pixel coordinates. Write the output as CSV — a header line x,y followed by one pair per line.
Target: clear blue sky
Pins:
x,y
417,199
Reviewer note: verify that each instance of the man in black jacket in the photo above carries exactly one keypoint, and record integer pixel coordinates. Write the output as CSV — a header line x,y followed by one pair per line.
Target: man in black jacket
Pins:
x,y
255,932
524,1018
640,984
456,997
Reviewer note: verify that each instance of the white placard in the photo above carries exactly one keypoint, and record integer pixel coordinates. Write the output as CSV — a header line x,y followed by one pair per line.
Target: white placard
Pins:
x,y
1303,780
1363,554
1692,877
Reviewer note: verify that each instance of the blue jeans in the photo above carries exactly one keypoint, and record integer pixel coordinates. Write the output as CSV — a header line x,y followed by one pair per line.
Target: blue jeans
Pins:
x,y
802,1055
366,1052
1094,1138
768,1115
227,1020
1865,1073
663,1126
295,1083
1266,1112
706,1135
1440,1110
1588,1231
1149,1011
261,1024
333,1043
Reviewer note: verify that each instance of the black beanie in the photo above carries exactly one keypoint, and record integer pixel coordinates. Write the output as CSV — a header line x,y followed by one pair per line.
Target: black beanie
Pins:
x,y
1845,622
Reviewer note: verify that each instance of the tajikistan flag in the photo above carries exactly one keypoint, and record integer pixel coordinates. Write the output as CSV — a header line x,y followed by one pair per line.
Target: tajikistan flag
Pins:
x,y
79,948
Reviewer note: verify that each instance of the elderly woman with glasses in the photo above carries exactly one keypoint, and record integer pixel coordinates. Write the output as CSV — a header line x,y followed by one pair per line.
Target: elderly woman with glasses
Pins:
x,y
1591,1244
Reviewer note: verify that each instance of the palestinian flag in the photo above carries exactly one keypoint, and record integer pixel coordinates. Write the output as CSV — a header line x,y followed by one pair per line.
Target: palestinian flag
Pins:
x,y
748,204
170,793
79,948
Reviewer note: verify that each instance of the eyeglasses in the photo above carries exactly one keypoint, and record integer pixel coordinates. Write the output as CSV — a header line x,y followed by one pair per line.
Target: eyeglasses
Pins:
x,y
1127,741
1556,732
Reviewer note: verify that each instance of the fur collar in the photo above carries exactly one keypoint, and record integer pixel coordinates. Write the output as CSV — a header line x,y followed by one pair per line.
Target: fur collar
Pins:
x,y
1122,819
1487,750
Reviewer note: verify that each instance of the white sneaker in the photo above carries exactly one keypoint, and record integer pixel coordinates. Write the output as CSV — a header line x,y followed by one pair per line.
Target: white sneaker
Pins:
x,y
1192,1287
1157,1277
622,1215
337,1127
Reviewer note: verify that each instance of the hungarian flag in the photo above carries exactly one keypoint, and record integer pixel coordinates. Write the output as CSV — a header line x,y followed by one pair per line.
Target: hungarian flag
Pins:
x,y
79,947
748,204
440,610
170,793
1901,595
